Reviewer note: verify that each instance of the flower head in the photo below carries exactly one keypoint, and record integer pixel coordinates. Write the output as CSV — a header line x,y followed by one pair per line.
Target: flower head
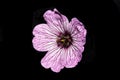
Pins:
x,y
63,40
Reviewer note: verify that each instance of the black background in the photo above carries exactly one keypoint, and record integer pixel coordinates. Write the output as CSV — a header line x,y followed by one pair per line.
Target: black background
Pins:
x,y
21,61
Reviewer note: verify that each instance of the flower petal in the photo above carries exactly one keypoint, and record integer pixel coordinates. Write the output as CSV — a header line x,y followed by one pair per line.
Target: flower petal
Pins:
x,y
78,34
44,39
43,30
51,59
78,51
56,67
56,20
42,44
73,57
78,29
70,57
79,41
63,57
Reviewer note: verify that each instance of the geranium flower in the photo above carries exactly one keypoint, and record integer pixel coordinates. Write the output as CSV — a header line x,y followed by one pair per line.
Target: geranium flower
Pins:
x,y
63,40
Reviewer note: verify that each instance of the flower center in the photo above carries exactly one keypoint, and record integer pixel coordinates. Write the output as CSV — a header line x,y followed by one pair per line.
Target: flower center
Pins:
x,y
64,40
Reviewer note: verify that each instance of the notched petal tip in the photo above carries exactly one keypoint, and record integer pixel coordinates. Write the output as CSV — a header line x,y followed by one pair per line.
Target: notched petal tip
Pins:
x,y
71,63
54,70
57,68
71,66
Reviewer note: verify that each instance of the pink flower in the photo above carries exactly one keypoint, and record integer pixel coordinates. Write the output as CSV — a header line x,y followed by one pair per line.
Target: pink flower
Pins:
x,y
63,40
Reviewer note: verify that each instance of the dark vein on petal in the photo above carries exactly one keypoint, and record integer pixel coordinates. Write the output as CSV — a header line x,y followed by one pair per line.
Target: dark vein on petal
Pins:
x,y
57,27
52,57
53,51
75,47
54,24
48,54
56,58
75,51
77,40
50,31
62,28
69,56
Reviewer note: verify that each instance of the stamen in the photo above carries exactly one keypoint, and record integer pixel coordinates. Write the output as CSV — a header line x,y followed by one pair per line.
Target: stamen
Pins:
x,y
64,40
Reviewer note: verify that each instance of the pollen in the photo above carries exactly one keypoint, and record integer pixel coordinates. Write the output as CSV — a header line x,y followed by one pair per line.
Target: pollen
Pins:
x,y
63,40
